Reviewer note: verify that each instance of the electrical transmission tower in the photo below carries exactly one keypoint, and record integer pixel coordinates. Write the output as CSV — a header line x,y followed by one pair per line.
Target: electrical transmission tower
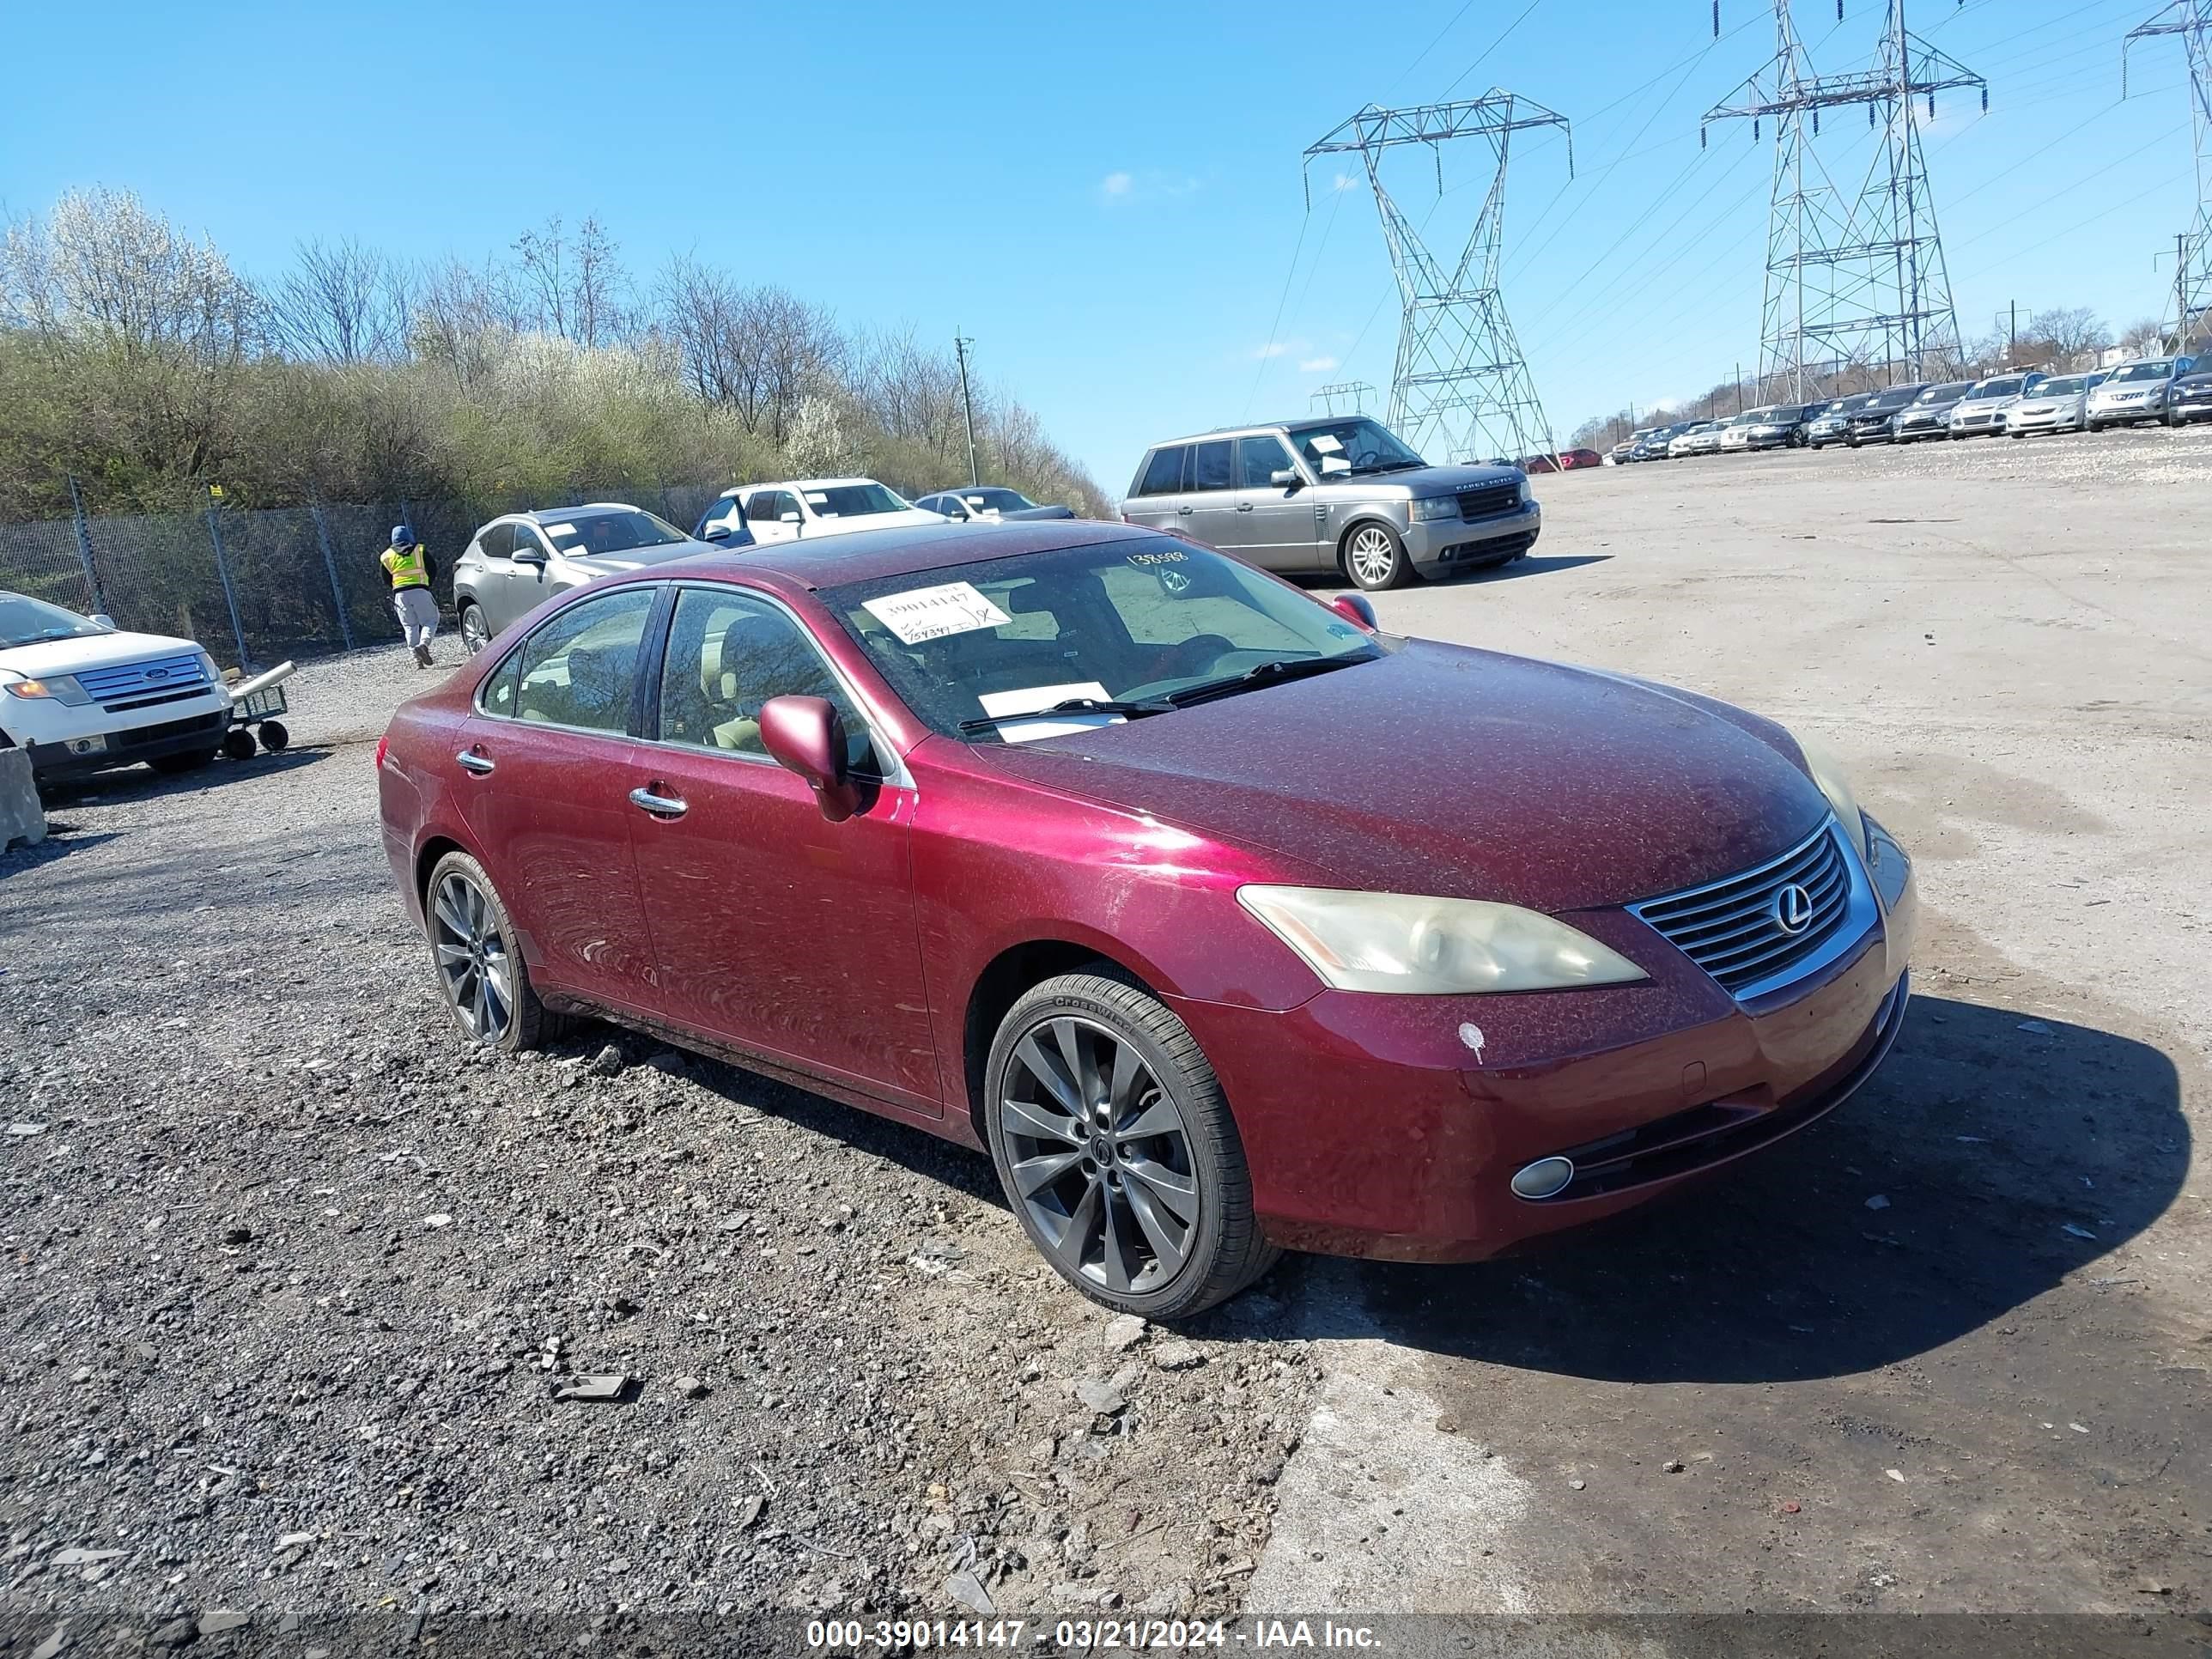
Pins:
x,y
2193,276
1354,395
1858,281
1460,383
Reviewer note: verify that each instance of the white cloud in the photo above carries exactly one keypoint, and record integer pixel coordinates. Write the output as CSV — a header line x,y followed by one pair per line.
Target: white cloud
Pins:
x,y
1272,349
1343,181
1121,187
1316,365
1117,184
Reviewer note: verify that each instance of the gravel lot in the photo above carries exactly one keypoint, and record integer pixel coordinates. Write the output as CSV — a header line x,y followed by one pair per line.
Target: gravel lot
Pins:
x,y
292,1283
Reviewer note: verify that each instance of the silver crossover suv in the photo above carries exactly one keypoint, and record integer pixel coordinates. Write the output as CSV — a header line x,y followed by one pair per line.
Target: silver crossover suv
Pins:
x,y
2136,392
1339,493
515,561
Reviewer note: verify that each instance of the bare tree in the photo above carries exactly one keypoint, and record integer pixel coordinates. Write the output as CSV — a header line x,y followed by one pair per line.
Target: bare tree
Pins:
x,y
342,302
463,317
576,284
2147,335
2073,330
697,306
542,258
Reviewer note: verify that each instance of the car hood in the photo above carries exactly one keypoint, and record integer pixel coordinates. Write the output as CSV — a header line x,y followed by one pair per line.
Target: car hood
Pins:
x,y
1465,774
51,657
1427,480
1979,405
1040,512
636,558
1922,411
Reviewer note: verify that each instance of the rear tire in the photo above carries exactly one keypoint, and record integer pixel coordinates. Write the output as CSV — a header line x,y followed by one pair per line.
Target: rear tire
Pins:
x,y
485,981
476,630
1375,558
1157,1223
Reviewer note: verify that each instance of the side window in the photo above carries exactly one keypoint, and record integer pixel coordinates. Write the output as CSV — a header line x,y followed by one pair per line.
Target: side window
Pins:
x,y
581,667
527,540
1209,464
729,654
496,695
497,541
1163,473
1256,459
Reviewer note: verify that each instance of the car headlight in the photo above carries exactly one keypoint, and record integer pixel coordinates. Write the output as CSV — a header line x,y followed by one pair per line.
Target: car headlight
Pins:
x,y
1412,946
1828,773
1528,492
1425,508
57,688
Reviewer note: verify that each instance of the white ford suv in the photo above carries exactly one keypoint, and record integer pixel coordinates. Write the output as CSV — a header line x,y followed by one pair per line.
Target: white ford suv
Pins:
x,y
80,694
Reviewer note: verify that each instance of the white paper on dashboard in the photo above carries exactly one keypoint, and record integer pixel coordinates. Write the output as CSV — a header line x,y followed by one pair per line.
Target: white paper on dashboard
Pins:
x,y
931,613
1327,442
1020,720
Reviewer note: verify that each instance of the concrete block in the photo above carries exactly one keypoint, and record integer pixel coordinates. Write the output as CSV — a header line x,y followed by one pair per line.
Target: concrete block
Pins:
x,y
21,817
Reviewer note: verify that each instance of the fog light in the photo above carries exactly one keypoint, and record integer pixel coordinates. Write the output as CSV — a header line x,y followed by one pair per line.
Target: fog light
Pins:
x,y
1546,1176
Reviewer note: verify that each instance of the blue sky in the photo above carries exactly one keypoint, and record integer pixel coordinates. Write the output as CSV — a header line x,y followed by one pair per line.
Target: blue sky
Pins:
x,y
1106,198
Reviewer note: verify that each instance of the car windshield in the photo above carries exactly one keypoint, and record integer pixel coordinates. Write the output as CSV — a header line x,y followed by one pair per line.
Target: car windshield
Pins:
x,y
995,499
1368,446
2068,387
1949,393
2143,371
26,621
852,500
2009,386
587,535
1118,630
1896,398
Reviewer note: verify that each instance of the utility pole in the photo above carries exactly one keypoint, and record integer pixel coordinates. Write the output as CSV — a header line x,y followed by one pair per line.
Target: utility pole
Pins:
x,y
1858,279
1461,386
2192,249
967,403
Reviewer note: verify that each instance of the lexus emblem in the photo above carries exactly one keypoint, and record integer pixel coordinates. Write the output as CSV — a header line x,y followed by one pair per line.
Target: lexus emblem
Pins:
x,y
1793,909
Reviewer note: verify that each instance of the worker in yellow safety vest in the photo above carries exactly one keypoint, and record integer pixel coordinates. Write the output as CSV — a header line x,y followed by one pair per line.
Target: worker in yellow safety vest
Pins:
x,y
408,564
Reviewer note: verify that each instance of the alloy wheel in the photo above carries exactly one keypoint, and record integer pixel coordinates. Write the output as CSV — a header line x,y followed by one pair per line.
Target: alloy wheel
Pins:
x,y
1372,556
1100,1155
473,964
475,635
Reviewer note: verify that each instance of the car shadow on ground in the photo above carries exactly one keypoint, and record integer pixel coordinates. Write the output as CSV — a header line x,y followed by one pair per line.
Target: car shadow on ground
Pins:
x,y
1536,564
135,783
62,840
1993,1155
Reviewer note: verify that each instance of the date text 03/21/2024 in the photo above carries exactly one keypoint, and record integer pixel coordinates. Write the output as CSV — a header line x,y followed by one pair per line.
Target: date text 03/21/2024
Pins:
x,y
1083,1635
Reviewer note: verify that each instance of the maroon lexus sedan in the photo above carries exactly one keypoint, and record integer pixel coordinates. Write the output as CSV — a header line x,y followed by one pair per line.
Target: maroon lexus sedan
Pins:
x,y
1224,921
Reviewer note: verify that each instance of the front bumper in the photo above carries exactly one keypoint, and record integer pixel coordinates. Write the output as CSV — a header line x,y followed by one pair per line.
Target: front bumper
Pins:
x,y
1870,431
2112,413
1982,422
1376,1125
1438,545
68,740
2044,419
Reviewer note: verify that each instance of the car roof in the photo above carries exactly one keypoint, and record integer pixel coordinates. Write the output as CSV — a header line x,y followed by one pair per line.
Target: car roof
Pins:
x,y
862,555
567,514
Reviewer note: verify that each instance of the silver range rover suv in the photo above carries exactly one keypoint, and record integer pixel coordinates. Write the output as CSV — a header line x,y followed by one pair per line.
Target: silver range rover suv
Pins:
x,y
1335,493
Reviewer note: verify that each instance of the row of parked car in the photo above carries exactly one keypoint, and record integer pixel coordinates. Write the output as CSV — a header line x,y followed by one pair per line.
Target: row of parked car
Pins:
x,y
2172,390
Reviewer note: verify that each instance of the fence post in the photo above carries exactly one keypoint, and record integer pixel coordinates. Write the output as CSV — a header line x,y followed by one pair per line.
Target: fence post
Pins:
x,y
330,564
84,546
222,570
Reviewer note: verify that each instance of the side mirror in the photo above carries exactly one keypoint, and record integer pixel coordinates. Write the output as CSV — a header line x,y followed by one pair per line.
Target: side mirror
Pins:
x,y
1334,467
1354,608
807,736
100,619
788,517
529,555
1287,476
717,533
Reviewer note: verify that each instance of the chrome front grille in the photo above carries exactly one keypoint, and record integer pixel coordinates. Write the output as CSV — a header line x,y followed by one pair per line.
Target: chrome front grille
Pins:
x,y
155,677
1754,931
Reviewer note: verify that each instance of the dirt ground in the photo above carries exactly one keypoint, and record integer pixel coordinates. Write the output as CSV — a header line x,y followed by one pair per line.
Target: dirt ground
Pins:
x,y
1949,1350
1946,1352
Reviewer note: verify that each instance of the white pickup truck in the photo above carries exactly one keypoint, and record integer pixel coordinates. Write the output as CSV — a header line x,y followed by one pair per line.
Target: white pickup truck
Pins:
x,y
80,694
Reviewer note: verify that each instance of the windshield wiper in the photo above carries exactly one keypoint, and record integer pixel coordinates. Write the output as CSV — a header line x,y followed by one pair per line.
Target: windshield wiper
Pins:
x,y
1259,674
1071,706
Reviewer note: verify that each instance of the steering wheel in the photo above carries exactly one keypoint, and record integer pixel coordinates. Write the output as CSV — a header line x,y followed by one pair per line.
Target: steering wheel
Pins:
x,y
1190,656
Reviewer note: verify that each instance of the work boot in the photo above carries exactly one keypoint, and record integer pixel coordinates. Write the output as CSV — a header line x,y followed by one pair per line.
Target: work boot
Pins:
x,y
422,656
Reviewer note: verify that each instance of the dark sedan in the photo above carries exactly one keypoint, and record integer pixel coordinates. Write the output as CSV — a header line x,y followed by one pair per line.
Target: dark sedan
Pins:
x,y
989,501
2189,400
1223,921
1872,422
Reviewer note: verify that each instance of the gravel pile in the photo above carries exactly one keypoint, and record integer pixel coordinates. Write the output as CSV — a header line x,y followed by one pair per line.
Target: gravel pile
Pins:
x,y
308,1306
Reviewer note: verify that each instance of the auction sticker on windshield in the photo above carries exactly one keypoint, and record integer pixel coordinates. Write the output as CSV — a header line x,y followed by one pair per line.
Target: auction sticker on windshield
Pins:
x,y
931,613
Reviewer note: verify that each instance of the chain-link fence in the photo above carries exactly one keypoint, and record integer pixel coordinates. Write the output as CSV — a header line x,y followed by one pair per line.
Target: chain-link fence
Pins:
x,y
259,586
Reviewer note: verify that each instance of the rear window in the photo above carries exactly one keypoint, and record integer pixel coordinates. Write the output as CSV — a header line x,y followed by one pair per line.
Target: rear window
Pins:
x,y
1163,472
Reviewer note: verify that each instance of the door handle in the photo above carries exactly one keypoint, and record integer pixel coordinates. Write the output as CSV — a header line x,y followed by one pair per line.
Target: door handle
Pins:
x,y
472,761
1183,511
1243,506
661,806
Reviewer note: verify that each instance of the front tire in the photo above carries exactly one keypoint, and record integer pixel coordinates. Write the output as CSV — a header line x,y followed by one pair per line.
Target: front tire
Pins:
x,y
476,630
1376,559
485,981
1116,1150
